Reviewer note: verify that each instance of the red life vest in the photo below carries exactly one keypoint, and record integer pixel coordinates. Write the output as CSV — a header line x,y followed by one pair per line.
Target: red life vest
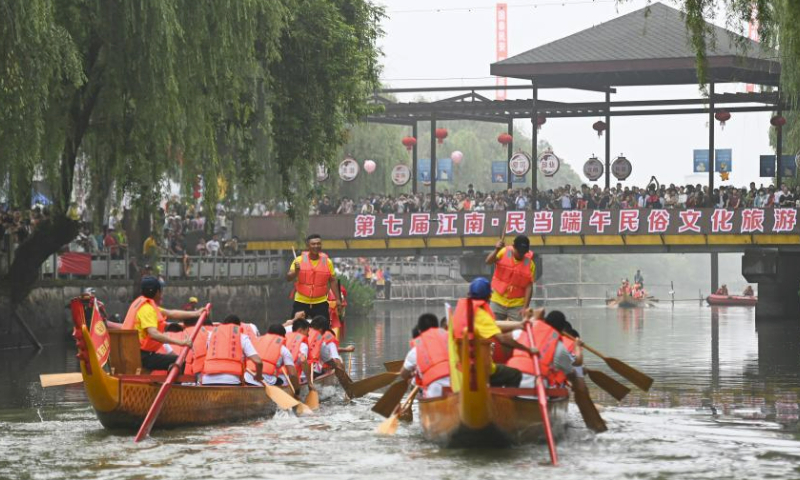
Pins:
x,y
312,281
432,356
147,344
196,358
269,349
224,351
459,319
511,279
546,339
315,342
294,341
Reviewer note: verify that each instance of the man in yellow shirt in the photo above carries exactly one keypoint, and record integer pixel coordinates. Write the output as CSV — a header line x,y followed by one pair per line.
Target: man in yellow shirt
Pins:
x,y
512,282
313,276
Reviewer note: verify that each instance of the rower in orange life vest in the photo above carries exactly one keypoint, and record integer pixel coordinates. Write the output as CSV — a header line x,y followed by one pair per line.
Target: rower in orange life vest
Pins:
x,y
486,328
275,356
297,343
313,274
227,350
149,319
323,349
512,282
428,359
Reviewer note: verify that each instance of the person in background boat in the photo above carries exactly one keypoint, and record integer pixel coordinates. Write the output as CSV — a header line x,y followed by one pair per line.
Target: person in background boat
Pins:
x,y
313,276
428,358
638,278
486,328
637,291
723,290
227,350
191,304
297,343
624,289
146,316
555,360
748,291
275,356
512,281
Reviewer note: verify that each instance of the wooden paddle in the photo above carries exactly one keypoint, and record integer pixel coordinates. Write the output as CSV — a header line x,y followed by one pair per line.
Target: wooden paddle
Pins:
x,y
155,408
58,379
312,399
591,417
283,399
636,377
613,387
391,399
370,384
389,426
393,365
542,397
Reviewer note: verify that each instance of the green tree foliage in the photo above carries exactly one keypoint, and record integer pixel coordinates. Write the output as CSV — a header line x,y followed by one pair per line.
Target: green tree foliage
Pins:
x,y
139,91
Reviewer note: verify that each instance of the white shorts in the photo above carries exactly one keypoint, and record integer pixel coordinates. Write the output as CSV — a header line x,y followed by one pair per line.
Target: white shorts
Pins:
x,y
435,388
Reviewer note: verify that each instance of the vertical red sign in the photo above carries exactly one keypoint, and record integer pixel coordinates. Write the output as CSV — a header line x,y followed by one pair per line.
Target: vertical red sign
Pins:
x,y
501,35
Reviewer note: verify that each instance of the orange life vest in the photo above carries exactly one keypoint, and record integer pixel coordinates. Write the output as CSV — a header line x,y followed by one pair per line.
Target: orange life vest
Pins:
x,y
333,313
247,329
460,316
224,351
432,356
294,341
269,349
196,358
546,339
147,344
177,349
558,377
510,279
315,342
312,281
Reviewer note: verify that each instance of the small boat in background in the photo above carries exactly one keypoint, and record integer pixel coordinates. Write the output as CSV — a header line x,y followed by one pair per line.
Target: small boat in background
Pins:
x,y
628,301
732,300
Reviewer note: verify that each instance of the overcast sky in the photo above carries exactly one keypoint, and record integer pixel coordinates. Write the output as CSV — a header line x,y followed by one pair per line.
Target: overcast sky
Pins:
x,y
452,42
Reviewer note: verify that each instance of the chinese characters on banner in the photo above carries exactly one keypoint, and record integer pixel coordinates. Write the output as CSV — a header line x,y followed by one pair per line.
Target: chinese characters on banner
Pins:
x,y
575,222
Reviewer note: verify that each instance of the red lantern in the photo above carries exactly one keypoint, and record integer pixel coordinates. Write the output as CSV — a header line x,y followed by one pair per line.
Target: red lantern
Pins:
x,y
541,119
505,139
409,142
441,134
599,126
722,116
777,121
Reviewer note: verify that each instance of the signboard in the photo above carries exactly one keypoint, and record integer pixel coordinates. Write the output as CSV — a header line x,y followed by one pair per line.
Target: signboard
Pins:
x,y
767,166
593,169
519,164
322,173
723,160
444,170
401,175
500,173
621,168
348,169
549,164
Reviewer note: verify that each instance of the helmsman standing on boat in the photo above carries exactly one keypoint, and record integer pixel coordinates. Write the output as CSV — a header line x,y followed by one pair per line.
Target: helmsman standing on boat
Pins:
x,y
314,277
512,282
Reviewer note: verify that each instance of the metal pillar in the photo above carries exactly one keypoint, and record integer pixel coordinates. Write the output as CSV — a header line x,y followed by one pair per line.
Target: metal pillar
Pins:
x,y
534,145
608,138
433,163
414,160
509,153
714,272
779,149
711,164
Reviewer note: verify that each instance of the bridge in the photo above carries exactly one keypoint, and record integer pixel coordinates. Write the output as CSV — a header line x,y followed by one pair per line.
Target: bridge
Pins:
x,y
769,239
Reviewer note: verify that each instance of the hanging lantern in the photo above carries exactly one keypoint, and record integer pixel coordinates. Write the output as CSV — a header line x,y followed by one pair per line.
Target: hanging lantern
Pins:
x,y
722,116
599,127
456,157
441,134
369,166
505,139
541,119
409,142
777,121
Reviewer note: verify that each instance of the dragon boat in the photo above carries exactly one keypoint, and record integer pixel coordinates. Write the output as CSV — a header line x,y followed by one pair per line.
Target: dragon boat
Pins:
x,y
628,301
732,300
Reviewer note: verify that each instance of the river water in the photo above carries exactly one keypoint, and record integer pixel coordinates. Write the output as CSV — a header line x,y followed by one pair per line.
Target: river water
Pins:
x,y
725,404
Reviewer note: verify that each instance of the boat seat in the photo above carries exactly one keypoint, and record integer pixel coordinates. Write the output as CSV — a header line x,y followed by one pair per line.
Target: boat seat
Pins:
x,y
124,357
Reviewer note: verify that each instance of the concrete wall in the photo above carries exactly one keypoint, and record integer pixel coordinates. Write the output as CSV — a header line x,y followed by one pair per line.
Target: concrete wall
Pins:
x,y
45,312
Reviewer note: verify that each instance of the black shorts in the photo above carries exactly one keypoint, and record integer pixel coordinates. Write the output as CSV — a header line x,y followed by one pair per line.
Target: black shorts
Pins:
x,y
311,310
157,361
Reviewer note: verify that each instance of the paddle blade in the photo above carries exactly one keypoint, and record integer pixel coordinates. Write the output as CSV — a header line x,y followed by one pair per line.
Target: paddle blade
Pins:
x,y
312,400
58,379
388,426
613,387
370,384
588,411
393,366
303,410
636,377
281,398
391,399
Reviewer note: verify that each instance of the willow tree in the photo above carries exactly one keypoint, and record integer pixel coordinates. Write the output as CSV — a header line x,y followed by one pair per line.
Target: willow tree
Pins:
x,y
138,90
